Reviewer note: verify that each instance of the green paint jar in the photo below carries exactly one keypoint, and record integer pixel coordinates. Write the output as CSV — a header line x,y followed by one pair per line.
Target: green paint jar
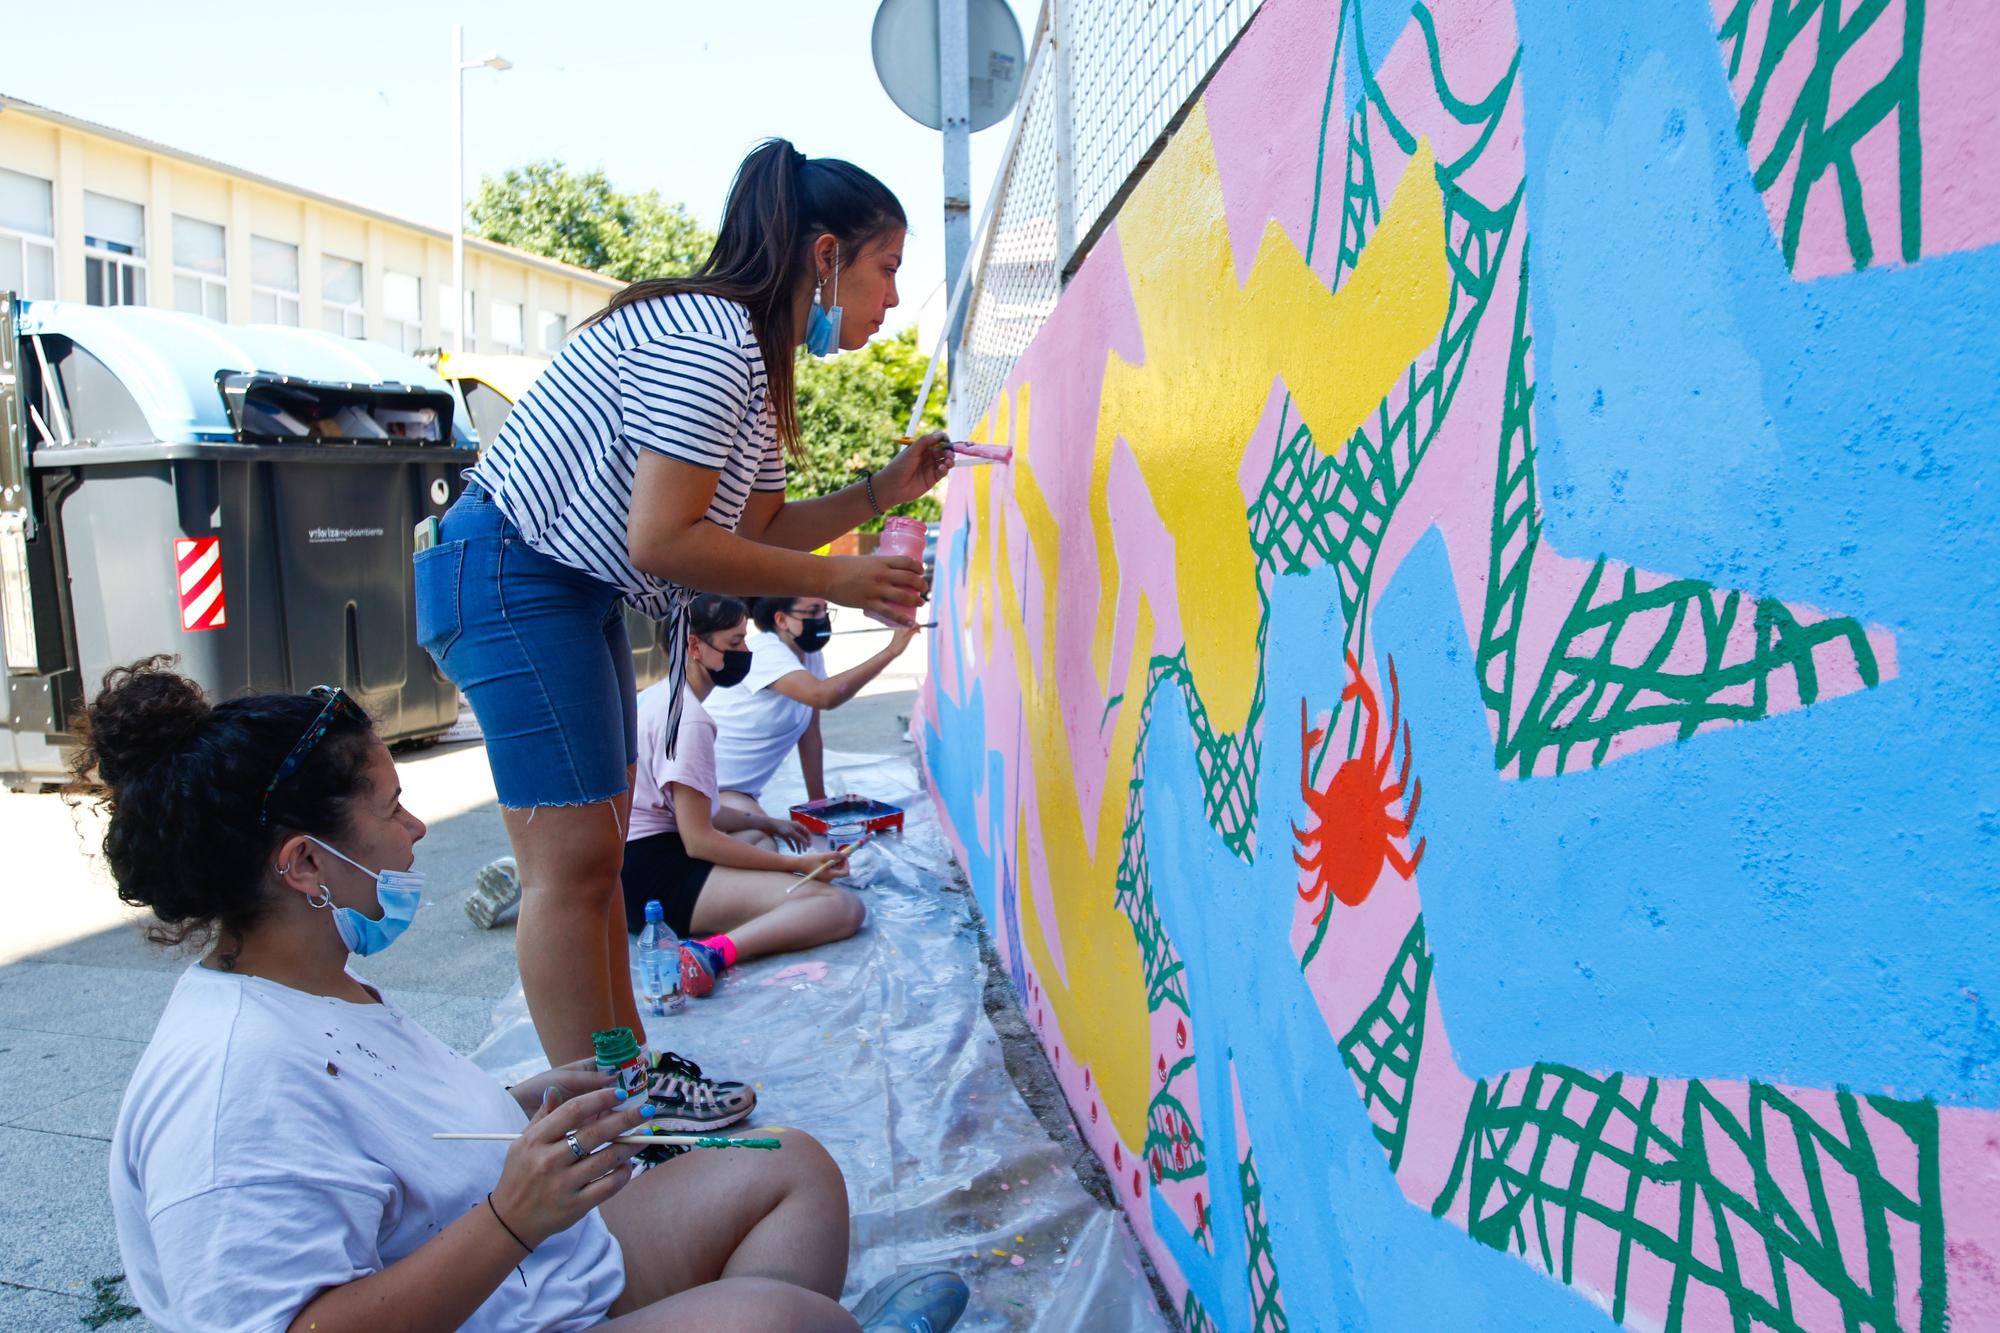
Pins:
x,y
618,1055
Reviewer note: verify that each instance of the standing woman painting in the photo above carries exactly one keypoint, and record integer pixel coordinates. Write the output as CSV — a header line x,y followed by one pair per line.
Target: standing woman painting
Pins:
x,y
647,463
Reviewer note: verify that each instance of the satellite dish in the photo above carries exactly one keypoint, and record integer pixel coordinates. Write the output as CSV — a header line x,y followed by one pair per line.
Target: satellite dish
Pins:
x,y
906,59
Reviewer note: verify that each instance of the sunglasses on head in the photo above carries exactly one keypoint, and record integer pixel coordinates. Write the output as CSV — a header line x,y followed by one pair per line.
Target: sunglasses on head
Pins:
x,y
337,704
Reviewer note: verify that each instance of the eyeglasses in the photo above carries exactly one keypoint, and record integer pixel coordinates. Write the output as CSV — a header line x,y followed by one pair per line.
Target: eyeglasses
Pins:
x,y
337,705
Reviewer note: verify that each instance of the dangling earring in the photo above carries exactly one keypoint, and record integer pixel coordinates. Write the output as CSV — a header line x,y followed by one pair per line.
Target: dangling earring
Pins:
x,y
325,898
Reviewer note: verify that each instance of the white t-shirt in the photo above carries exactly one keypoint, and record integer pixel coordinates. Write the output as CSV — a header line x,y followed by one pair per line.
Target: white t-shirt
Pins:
x,y
272,1144
756,727
693,764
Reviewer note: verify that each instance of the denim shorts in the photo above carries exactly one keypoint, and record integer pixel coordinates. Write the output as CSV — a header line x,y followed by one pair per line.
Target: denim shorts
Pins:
x,y
540,652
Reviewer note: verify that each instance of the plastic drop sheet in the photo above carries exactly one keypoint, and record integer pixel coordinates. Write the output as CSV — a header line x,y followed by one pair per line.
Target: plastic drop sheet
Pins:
x,y
879,1046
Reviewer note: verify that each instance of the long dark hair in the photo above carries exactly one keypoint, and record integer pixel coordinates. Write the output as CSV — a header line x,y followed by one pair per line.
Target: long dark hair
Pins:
x,y
183,782
779,202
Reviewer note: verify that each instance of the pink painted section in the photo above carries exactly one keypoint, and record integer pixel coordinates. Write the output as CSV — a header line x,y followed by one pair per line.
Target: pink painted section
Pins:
x,y
1264,112
1958,115
1969,1145
1960,98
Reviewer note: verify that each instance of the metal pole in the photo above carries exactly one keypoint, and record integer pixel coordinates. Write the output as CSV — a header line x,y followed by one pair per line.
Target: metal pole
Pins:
x,y
954,100
458,185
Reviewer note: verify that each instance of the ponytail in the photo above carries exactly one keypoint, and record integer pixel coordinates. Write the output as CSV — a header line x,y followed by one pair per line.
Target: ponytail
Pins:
x,y
779,202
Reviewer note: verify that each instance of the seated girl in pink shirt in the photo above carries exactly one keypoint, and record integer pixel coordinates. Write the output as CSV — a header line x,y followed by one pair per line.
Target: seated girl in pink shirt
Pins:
x,y
721,875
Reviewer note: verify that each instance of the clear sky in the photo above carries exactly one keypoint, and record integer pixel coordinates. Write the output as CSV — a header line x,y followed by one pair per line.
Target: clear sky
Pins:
x,y
352,99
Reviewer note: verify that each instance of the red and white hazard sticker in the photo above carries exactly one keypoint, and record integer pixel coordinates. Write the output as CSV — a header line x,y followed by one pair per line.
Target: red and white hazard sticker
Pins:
x,y
198,564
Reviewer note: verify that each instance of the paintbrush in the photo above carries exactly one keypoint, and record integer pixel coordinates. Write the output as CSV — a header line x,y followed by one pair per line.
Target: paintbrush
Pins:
x,y
968,450
641,1137
851,849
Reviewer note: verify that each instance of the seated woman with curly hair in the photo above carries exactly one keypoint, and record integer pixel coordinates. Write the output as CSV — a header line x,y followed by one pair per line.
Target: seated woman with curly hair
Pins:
x,y
273,1166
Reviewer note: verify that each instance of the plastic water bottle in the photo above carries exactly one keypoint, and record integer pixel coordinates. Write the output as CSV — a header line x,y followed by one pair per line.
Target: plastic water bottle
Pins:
x,y
659,963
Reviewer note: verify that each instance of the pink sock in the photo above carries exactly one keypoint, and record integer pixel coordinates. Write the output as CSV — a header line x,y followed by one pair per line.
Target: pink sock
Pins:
x,y
723,945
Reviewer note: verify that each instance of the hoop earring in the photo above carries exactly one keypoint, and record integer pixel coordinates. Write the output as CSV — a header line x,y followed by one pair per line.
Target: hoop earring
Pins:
x,y
325,898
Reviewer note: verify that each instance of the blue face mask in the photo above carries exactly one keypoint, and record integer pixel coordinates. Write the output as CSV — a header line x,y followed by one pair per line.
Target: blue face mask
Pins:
x,y
823,324
398,891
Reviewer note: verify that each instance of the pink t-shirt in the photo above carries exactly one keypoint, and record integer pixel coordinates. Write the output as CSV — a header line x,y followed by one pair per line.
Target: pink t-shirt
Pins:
x,y
693,764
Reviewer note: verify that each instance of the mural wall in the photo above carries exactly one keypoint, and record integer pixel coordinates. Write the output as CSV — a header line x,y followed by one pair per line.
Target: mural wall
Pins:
x,y
1473,714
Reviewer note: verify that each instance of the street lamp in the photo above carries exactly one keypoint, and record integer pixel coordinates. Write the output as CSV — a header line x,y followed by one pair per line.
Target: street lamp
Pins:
x,y
459,64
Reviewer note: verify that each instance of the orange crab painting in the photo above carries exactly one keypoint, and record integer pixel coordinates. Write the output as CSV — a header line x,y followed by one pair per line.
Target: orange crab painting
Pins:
x,y
1354,829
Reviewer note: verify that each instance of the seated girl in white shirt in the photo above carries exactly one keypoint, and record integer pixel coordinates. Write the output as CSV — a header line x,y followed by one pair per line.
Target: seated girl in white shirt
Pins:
x,y
272,1165
777,704
722,881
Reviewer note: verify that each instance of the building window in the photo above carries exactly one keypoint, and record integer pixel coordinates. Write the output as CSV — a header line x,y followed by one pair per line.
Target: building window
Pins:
x,y
508,333
555,328
403,308
201,268
342,309
27,235
274,281
114,250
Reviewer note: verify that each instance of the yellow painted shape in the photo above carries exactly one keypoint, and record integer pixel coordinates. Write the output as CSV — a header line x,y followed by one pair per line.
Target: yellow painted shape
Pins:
x,y
1099,996
1212,350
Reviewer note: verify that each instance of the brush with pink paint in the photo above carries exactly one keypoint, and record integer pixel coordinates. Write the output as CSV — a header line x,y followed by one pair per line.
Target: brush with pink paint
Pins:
x,y
973,453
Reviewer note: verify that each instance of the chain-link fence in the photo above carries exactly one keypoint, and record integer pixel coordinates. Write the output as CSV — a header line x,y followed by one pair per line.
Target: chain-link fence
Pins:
x,y
1105,80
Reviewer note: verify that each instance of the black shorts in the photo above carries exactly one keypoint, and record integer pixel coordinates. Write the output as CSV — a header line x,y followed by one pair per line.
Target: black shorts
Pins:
x,y
658,868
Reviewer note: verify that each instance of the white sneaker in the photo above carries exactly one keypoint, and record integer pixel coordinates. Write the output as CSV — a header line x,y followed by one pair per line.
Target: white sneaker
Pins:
x,y
496,891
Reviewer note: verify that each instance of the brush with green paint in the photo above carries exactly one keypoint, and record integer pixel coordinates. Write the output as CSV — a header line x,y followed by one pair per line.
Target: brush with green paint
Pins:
x,y
642,1138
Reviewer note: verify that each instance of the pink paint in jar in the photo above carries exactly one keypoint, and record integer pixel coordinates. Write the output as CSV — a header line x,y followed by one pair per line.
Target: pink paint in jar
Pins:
x,y
904,537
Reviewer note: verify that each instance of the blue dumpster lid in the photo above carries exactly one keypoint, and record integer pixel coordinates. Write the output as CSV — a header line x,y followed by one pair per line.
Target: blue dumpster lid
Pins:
x,y
168,361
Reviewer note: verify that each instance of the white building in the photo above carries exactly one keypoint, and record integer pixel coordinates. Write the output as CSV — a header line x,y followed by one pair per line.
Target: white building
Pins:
x,y
89,213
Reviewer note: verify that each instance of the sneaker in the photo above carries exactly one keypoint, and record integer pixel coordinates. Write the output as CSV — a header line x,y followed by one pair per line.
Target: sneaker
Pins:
x,y
928,1302
691,1104
701,967
496,889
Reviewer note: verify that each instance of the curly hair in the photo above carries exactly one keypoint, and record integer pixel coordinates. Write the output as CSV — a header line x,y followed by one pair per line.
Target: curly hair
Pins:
x,y
183,782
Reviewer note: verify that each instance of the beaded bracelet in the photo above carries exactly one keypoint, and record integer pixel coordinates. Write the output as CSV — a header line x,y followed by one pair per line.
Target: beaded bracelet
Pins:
x,y
868,482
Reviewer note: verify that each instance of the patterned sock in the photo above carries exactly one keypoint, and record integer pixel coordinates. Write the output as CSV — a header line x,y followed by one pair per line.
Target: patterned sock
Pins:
x,y
723,945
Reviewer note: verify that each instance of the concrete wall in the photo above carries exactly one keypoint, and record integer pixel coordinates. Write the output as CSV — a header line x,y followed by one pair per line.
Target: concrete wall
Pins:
x,y
1472,713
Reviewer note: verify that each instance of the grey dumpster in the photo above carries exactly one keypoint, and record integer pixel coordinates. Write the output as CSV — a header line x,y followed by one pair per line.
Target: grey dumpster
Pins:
x,y
245,498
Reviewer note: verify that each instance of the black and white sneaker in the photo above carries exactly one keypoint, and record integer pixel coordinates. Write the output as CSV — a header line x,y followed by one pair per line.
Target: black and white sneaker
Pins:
x,y
691,1104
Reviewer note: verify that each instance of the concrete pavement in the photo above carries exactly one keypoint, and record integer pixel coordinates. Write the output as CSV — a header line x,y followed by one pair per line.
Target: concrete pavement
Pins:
x,y
81,990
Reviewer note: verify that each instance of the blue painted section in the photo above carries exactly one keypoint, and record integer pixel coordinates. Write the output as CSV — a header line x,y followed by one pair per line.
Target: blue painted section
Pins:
x,y
1811,898
955,749
1351,1251
168,361
1830,441
1791,900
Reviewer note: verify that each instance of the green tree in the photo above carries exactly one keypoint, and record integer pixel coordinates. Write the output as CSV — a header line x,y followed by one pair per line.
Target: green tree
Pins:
x,y
851,409
578,218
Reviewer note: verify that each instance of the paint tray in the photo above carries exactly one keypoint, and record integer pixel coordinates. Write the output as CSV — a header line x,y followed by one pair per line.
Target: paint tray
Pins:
x,y
874,816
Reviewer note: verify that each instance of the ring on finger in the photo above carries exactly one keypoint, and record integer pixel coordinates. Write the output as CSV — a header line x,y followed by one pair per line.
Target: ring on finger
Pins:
x,y
569,1137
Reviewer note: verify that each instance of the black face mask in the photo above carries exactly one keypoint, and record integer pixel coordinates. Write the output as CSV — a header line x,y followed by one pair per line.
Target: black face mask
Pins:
x,y
735,666
814,633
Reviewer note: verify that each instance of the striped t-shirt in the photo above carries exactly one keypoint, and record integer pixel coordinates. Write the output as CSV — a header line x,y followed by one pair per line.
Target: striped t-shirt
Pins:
x,y
680,375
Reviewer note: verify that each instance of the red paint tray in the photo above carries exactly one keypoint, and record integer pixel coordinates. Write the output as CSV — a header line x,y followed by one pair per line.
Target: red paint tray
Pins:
x,y
874,816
